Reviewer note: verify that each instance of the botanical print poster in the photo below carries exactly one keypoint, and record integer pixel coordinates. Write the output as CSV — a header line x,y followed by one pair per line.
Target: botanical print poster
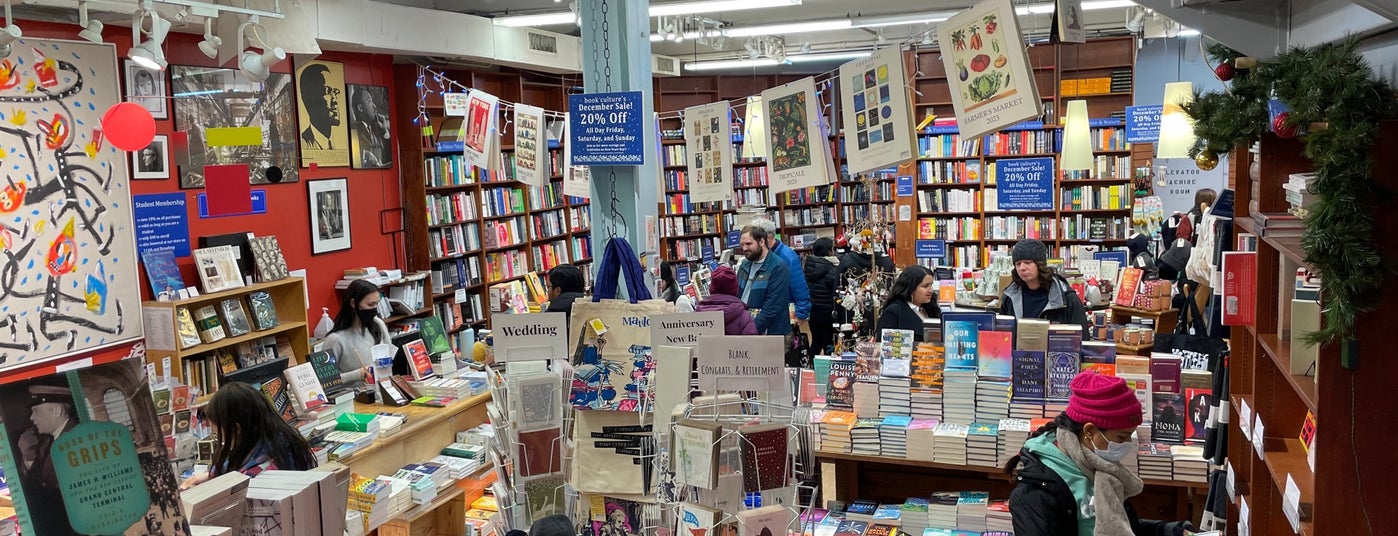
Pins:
x,y
68,279
480,121
798,156
320,90
878,127
531,147
210,98
709,142
992,85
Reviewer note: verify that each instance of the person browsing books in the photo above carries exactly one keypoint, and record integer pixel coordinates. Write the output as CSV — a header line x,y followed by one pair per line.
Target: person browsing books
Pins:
x,y
763,284
911,302
566,286
822,271
252,437
723,297
1038,292
670,290
357,329
1068,477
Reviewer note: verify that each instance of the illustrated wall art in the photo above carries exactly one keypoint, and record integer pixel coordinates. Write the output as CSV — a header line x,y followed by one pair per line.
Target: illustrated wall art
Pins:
x,y
992,85
320,112
710,145
69,278
330,225
878,127
207,98
798,156
371,144
146,87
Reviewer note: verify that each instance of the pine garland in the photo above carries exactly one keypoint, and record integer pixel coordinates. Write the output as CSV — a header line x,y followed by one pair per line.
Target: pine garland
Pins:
x,y
1330,84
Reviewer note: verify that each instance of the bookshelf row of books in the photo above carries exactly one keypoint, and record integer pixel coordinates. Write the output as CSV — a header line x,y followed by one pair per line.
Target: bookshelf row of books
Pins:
x,y
966,228
859,193
1103,167
1113,197
502,201
691,224
449,170
967,256
680,203
1090,228
963,172
407,296
204,372
692,249
815,215
580,216
504,265
504,233
948,146
750,176
444,209
949,200
548,224
456,274
546,197
862,212
228,318
1109,139
810,196
1022,142
750,197
944,513
550,254
582,249
454,240
676,180
555,163
1017,227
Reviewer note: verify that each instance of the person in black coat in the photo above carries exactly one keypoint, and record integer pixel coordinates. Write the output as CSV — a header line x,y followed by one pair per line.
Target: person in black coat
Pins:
x,y
566,285
1037,292
911,302
823,278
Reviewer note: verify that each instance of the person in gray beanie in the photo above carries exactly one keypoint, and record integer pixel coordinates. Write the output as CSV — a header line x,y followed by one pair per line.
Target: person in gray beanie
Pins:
x,y
1038,292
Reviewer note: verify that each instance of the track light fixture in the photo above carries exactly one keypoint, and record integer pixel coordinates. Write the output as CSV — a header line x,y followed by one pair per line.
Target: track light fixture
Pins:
x,y
256,66
209,46
91,29
149,53
8,33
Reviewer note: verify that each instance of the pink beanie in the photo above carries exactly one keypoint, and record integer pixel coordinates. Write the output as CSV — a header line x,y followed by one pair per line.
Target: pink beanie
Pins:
x,y
1105,401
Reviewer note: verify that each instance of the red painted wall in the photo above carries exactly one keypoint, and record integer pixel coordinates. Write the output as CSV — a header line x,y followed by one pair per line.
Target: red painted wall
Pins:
x,y
371,192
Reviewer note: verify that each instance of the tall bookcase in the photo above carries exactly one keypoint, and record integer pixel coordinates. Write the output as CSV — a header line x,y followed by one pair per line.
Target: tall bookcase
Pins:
x,y
1349,490
956,197
474,228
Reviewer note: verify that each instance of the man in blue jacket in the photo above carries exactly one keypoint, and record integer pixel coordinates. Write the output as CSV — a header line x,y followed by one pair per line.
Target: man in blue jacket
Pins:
x,y
764,283
800,290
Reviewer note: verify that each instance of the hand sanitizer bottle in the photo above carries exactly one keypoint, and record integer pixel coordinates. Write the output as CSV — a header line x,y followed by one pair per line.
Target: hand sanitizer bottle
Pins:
x,y
325,325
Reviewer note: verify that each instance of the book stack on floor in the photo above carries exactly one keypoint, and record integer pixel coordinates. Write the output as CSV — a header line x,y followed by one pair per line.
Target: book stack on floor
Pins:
x,y
921,437
941,510
1189,463
998,518
1153,461
864,437
950,443
1012,435
982,449
971,508
914,516
959,396
893,435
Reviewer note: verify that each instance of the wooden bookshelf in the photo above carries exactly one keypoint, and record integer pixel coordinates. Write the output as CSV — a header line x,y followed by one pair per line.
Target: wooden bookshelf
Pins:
x,y
1354,408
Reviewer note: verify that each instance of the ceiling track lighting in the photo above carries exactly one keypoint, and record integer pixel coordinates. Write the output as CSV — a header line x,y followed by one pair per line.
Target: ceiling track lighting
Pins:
x,y
257,66
8,33
211,43
148,54
91,29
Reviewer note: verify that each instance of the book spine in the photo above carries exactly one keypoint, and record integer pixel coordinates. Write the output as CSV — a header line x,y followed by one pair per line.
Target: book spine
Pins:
x,y
1028,375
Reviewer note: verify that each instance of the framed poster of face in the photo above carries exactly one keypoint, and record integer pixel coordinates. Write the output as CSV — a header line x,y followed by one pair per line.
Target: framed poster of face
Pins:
x,y
330,224
147,88
153,162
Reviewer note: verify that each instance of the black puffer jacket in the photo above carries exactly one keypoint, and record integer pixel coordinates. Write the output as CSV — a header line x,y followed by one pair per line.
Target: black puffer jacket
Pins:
x,y
823,277
1043,505
852,264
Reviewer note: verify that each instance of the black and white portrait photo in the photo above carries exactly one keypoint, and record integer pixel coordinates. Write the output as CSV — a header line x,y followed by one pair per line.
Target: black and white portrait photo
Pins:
x,y
147,88
330,225
153,162
370,145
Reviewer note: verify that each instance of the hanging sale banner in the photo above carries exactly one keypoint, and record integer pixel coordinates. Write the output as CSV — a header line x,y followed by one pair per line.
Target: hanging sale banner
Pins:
x,y
531,148
799,156
992,85
709,143
878,127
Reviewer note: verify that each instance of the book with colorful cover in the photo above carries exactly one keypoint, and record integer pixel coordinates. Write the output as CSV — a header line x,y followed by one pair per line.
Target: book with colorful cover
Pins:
x,y
1099,356
888,514
928,364
327,372
810,519
862,507
915,507
763,450
1197,403
419,360
696,520
434,335
996,350
840,392
275,389
1064,354
881,529
962,346
897,353
1167,424
305,387
866,357
1140,384
851,527
162,273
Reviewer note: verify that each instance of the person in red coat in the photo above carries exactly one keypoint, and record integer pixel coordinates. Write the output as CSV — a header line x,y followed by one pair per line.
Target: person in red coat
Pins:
x,y
723,297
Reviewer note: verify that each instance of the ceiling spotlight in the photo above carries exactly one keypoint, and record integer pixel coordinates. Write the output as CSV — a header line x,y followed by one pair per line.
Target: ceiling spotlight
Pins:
x,y
8,33
806,47
209,46
256,66
91,29
149,54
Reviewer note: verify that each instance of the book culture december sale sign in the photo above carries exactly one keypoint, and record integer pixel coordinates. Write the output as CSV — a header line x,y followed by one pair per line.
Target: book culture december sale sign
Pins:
x,y
606,129
1025,184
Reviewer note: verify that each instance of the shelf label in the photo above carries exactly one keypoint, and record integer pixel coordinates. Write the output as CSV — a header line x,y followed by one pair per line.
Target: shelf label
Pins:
x,y
1143,123
459,296
682,275
606,129
707,253
1291,503
905,186
1025,183
1244,517
684,329
530,336
1258,433
1232,481
1245,417
735,237
930,249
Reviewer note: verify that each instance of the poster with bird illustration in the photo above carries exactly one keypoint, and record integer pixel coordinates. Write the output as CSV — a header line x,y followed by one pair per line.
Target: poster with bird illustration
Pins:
x,y
992,86
68,275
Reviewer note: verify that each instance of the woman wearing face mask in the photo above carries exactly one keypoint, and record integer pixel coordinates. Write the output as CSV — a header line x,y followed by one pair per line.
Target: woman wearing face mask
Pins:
x,y
1068,477
357,329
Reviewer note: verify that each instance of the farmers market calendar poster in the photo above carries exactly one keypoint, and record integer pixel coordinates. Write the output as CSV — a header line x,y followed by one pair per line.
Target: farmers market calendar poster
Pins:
x,y
798,156
878,127
988,68
709,136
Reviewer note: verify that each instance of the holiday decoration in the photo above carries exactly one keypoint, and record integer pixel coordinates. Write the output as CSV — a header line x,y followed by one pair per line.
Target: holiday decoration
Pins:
x,y
1206,160
129,126
1280,128
1224,71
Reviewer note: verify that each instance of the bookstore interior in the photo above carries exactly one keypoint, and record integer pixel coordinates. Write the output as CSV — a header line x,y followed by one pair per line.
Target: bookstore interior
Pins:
x,y
920,269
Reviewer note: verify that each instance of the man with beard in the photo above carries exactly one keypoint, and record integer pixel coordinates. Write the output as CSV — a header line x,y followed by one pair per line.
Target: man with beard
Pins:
x,y
764,283
322,107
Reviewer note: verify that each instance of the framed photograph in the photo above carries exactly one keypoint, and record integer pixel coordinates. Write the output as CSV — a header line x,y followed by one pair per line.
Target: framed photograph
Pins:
x,y
330,224
226,98
320,110
147,88
153,162
371,140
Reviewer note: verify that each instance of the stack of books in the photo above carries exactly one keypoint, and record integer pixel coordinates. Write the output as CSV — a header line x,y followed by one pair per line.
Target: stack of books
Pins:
x,y
921,436
865,437
982,444
971,509
866,399
914,516
959,396
1013,434
998,519
992,400
1189,463
889,514
925,404
1026,409
422,489
894,398
861,510
835,428
941,510
893,434
949,443
1153,461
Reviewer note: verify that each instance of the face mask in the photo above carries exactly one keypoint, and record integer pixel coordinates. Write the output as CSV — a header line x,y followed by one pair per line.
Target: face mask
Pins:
x,y
1115,452
367,316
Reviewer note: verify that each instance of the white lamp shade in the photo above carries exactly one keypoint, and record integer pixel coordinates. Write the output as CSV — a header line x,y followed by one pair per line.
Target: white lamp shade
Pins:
x,y
1176,127
1077,139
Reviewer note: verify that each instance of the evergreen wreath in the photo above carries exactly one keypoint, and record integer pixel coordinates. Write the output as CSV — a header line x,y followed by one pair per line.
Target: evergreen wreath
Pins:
x,y
1331,88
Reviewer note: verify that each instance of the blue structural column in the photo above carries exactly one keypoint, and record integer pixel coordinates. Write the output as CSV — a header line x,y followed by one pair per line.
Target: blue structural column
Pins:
x,y
616,57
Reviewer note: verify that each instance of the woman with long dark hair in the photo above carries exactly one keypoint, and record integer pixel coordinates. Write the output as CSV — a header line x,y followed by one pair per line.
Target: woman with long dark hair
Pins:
x,y
357,329
911,302
252,437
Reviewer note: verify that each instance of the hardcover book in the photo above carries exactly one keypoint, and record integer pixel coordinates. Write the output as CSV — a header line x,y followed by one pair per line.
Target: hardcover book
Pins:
x,y
305,387
850,527
188,330
235,317
774,520
927,367
696,520
995,353
694,456
210,327
1027,365
1165,372
327,372
1064,351
218,268
162,273
275,389
897,353
1167,426
1197,404
881,529
267,258
1141,385
419,361
962,346
764,454
434,335
840,393
1099,356
264,311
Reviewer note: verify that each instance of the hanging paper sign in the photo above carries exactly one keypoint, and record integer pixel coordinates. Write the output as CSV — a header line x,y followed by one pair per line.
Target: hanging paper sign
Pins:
x,y
754,129
878,126
735,237
455,104
1025,184
742,363
930,249
798,156
480,121
1069,21
607,128
1143,123
684,329
531,149
905,186
577,180
992,85
709,144
530,336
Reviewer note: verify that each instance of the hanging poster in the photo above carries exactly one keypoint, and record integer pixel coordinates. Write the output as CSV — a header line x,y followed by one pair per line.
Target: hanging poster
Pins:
x,y
320,110
754,129
992,85
709,142
798,156
878,127
223,98
531,147
1068,21
480,121
70,282
577,180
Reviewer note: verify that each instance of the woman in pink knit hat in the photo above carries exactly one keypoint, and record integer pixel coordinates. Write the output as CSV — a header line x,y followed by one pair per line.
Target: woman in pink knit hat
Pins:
x,y
1068,477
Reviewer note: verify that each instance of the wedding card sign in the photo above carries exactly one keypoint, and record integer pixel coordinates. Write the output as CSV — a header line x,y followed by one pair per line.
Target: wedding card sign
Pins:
x,y
531,146
992,85
530,337
480,121
742,363
684,329
875,109
709,136
798,156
